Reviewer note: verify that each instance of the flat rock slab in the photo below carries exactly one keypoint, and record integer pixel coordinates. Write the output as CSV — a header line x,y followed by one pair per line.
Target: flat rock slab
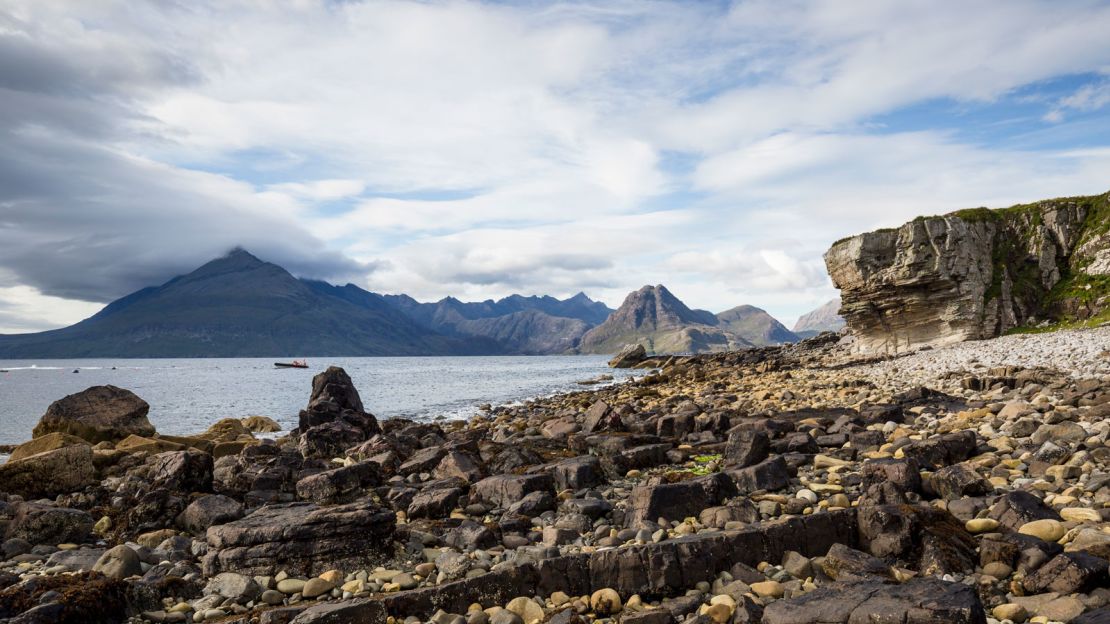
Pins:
x,y
301,538
918,601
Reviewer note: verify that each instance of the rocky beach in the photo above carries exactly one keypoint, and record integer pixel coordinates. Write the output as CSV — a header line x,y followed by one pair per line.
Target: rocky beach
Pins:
x,y
793,484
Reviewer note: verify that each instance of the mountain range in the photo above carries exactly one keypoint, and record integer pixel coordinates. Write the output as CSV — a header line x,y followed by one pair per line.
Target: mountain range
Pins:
x,y
823,319
240,306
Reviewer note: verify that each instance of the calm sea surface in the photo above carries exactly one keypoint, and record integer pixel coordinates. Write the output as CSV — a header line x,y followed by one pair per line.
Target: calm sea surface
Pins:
x,y
187,395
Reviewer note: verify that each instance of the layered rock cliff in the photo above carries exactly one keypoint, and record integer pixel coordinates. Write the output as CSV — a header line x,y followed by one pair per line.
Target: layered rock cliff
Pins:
x,y
974,273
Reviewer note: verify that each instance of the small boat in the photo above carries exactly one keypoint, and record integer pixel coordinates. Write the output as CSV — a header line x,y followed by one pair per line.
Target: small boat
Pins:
x,y
293,364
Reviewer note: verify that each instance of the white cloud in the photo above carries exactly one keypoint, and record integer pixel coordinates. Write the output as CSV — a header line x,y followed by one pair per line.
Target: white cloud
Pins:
x,y
476,149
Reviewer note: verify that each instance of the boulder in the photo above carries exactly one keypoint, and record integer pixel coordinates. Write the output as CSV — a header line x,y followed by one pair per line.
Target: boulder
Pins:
x,y
329,440
504,490
943,450
1068,573
301,538
98,414
119,562
434,503
928,539
746,448
577,473
629,356
334,397
842,563
183,471
209,510
339,485
226,430
40,523
676,501
48,474
1017,508
48,442
959,480
770,474
260,424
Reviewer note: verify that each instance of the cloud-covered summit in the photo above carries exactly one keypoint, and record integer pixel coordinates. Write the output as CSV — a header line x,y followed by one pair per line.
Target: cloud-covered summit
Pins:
x,y
476,149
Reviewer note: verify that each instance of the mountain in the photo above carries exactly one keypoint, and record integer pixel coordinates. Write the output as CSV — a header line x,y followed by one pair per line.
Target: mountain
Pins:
x,y
652,316
755,326
527,325
825,318
240,306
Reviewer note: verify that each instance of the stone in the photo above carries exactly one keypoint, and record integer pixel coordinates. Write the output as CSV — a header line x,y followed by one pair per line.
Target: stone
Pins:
x,y
504,490
629,356
459,465
291,586
605,602
998,570
183,471
119,562
97,414
959,480
981,525
676,501
768,589
40,523
301,538
1068,573
929,600
260,424
342,613
1080,514
272,597
1010,611
434,503
577,473
903,473
746,448
770,474
1016,508
339,485
1062,609
930,538
209,510
1048,529
316,587
843,563
943,450
60,471
238,587
41,444
527,609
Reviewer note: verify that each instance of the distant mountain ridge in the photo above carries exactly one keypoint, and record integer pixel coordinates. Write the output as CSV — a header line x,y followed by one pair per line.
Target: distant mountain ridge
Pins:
x,y
654,317
240,306
825,318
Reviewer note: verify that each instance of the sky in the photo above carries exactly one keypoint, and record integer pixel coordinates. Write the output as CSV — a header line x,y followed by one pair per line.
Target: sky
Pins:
x,y
478,149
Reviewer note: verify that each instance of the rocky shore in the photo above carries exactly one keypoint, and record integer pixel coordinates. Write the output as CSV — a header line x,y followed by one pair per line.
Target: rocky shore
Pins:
x,y
784,485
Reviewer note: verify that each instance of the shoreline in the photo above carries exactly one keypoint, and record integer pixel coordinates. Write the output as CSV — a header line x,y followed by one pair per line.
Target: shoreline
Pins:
x,y
753,486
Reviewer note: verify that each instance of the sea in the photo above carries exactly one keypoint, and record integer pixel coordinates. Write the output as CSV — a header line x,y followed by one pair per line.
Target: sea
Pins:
x,y
188,395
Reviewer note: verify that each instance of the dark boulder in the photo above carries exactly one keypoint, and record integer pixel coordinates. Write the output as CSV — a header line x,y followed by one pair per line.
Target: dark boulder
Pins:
x,y
504,490
842,563
746,447
959,480
183,471
1017,507
925,538
1068,573
339,485
301,538
903,473
40,523
676,501
48,474
209,510
98,414
434,503
577,473
943,450
629,356
771,474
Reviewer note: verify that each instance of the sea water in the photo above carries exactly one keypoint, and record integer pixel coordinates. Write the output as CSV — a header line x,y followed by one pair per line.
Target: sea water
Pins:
x,y
188,395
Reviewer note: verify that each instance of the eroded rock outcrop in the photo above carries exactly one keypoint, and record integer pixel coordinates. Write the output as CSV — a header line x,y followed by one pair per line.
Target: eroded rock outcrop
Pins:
x,y
973,274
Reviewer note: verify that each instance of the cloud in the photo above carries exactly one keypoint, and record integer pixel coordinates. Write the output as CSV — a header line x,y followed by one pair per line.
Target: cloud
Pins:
x,y
474,149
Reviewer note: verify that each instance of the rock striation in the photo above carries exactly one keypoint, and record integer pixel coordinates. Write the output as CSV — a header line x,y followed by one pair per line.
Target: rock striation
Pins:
x,y
974,274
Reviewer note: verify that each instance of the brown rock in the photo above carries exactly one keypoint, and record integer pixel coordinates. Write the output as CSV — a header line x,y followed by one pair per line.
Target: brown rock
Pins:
x,y
97,414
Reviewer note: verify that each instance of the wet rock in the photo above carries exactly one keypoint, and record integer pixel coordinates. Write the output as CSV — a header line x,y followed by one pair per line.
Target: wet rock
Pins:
x,y
209,510
97,414
48,474
925,600
301,538
746,448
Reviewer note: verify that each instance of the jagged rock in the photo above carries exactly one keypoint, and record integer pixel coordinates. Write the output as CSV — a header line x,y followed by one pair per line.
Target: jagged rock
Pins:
x,y
918,601
1015,509
459,465
903,473
97,414
434,503
746,448
629,356
959,480
577,473
843,563
40,523
930,539
183,471
209,510
675,501
48,474
334,397
504,490
1068,573
770,474
331,439
943,450
301,538
964,276
339,485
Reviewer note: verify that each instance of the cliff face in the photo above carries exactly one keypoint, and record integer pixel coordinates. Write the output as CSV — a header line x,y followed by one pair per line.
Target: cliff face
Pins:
x,y
974,273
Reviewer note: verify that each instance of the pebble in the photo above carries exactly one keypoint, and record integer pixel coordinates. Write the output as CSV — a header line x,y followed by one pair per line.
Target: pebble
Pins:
x,y
981,525
290,586
1047,529
605,601
316,587
768,589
